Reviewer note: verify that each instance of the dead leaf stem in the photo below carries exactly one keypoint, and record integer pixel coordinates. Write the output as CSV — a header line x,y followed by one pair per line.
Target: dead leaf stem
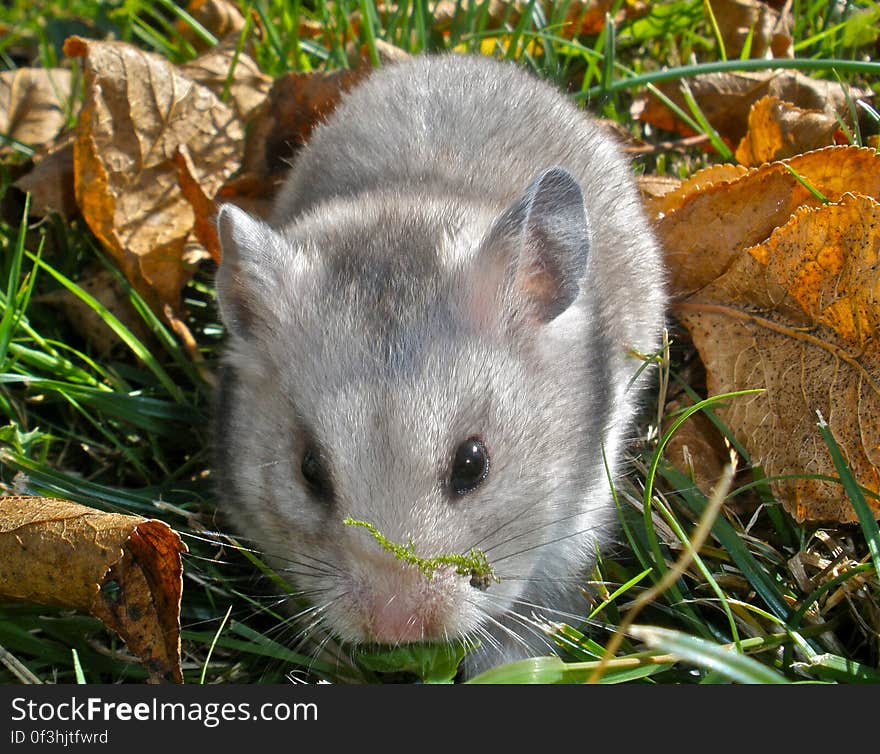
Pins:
x,y
790,332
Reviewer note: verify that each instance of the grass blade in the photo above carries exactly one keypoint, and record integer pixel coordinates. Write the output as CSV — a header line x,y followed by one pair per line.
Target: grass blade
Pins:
x,y
11,313
77,668
868,68
830,667
213,644
727,662
865,515
762,582
127,337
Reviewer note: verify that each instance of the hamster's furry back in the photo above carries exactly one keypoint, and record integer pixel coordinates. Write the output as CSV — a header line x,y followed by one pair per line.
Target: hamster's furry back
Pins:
x,y
475,128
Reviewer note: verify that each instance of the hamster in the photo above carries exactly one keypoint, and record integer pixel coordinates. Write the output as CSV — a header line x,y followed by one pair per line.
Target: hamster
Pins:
x,y
437,332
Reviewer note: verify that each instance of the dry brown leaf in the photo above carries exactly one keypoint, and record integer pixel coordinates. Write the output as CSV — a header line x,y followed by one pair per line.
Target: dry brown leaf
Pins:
x,y
654,187
50,181
138,110
220,17
252,192
661,204
248,86
798,316
703,234
125,570
698,449
625,140
779,129
101,284
33,104
769,28
445,11
725,99
203,206
588,16
358,55
295,105
581,16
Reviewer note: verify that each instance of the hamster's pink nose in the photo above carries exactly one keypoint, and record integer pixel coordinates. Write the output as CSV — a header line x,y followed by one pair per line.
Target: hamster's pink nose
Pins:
x,y
393,621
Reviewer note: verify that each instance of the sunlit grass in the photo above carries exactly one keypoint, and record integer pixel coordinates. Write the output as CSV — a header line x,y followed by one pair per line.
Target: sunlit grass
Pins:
x,y
126,429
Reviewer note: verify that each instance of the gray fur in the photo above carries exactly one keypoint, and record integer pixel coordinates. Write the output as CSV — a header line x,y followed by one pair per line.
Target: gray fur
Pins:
x,y
458,251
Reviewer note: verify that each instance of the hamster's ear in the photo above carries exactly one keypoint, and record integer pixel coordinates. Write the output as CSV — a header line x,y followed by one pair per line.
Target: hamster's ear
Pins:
x,y
249,275
540,244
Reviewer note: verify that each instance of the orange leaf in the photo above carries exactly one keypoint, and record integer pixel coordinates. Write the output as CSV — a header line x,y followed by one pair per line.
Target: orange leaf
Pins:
x,y
204,208
703,230
798,316
779,129
725,99
660,205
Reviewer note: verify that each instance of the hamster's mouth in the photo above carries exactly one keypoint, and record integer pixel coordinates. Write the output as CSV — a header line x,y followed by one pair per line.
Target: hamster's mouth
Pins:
x,y
428,662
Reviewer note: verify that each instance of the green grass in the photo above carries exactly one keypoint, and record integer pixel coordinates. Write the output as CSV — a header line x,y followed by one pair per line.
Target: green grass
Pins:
x,y
125,429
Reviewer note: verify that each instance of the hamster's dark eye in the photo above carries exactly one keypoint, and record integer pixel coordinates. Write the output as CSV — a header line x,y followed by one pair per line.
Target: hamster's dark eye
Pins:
x,y
470,465
314,471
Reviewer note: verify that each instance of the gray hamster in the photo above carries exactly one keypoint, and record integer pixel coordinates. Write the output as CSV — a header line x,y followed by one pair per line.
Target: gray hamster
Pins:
x,y
436,333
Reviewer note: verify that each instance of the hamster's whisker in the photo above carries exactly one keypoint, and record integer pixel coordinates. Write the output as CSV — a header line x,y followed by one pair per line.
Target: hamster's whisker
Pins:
x,y
331,568
242,614
307,630
535,607
489,618
300,560
316,615
543,579
292,624
305,571
228,541
592,528
484,634
305,612
534,529
275,552
587,530
564,615
320,648
493,641
529,507
529,626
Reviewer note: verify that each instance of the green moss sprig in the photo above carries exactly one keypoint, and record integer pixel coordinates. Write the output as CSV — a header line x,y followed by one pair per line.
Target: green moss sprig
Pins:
x,y
475,564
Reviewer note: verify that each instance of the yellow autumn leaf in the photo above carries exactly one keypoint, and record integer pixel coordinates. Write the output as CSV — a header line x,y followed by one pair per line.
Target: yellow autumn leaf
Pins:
x,y
798,316
779,129
706,227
